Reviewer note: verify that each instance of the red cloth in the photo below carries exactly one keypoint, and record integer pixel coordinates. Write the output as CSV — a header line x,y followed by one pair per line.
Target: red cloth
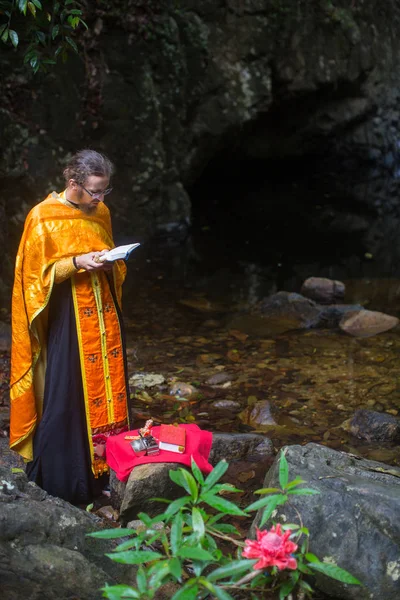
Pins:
x,y
121,458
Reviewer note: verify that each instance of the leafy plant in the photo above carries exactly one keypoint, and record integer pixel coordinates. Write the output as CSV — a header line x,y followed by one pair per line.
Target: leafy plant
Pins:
x,y
46,29
182,544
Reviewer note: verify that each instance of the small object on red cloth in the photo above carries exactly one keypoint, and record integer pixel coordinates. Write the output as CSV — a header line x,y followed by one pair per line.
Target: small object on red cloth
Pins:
x,y
172,438
121,458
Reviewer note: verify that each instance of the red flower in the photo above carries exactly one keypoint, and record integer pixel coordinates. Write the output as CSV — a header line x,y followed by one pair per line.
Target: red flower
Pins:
x,y
273,548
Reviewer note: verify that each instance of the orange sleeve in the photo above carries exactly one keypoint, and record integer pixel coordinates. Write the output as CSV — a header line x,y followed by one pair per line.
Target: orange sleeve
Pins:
x,y
64,269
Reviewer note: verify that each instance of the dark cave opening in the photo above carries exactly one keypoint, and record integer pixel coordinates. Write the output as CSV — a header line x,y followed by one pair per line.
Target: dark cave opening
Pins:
x,y
277,211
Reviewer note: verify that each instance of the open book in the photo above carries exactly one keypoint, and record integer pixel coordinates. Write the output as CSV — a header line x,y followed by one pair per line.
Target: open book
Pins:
x,y
118,253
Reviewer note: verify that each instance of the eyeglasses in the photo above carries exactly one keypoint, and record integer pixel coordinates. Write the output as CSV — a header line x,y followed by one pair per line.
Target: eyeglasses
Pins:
x,y
95,195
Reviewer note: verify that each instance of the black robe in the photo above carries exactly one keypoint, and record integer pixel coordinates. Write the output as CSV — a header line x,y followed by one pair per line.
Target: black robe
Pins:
x,y
61,463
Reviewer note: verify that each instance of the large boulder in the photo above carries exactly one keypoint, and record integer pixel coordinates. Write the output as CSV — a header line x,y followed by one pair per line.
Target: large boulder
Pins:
x,y
44,550
352,522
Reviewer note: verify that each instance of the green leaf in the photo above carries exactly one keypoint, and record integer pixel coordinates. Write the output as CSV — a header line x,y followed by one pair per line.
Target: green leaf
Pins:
x,y
188,592
16,470
176,532
267,491
128,545
141,580
270,508
4,35
55,31
305,586
303,569
215,474
177,505
217,591
110,534
191,485
266,502
334,572
224,487
236,567
198,523
229,508
119,592
291,526
132,557
312,558
72,44
196,472
32,8
177,477
304,492
195,553
175,568
285,589
37,4
283,471
158,572
225,528
22,4
41,37
294,483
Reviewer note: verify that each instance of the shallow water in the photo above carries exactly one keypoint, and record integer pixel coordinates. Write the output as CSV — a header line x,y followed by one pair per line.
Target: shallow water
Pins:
x,y
190,318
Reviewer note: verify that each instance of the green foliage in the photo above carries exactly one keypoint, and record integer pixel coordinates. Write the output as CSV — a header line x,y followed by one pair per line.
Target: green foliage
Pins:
x,y
44,28
180,545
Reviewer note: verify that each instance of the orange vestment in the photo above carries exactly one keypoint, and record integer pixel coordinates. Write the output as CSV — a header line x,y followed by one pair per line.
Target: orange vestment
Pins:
x,y
53,231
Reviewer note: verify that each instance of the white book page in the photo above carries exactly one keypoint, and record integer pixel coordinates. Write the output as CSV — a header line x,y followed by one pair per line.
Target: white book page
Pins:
x,y
118,253
170,447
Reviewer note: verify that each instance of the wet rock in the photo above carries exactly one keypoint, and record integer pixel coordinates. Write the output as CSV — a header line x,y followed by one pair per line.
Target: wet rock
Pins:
x,y
330,316
219,378
373,426
258,415
367,323
179,388
295,310
229,405
44,550
323,290
239,446
353,521
145,380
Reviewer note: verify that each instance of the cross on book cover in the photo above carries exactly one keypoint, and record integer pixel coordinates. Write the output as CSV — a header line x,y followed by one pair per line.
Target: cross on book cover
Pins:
x,y
172,438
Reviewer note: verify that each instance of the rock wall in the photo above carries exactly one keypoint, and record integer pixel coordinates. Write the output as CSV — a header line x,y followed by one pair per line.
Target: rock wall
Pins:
x,y
163,86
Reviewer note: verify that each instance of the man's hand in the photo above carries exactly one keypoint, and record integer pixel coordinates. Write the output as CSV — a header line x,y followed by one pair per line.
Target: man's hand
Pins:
x,y
90,262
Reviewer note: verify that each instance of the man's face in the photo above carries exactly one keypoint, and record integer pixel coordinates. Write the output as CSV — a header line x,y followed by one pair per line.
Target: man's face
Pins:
x,y
95,184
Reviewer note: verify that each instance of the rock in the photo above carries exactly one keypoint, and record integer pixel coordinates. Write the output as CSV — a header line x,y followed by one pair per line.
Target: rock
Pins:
x,y
295,310
323,290
44,550
367,323
240,446
145,482
259,414
145,380
373,426
219,378
331,315
229,405
152,480
179,388
353,521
